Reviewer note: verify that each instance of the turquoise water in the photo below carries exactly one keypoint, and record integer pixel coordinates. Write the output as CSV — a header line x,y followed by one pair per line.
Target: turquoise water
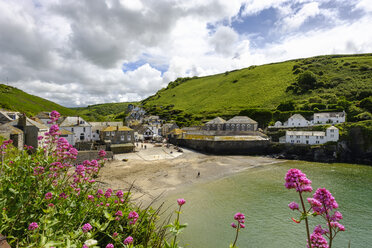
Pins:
x,y
260,194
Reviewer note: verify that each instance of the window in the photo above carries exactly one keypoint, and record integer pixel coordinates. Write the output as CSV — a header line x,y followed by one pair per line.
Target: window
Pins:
x,y
107,134
122,138
317,137
297,136
321,137
112,134
291,136
82,137
332,136
298,141
72,129
292,141
332,131
307,136
129,138
317,142
97,131
84,129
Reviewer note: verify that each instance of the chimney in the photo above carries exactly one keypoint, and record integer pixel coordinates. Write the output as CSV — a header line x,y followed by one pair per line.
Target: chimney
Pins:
x,y
22,121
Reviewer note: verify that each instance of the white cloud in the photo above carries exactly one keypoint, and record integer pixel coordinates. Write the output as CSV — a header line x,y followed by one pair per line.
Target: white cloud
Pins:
x,y
295,21
72,52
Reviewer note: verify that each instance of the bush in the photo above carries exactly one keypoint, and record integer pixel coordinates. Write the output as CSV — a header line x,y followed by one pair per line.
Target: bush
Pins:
x,y
307,81
286,106
46,201
366,103
262,116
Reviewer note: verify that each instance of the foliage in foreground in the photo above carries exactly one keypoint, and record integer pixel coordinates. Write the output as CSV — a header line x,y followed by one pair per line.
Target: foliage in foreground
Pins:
x,y
46,201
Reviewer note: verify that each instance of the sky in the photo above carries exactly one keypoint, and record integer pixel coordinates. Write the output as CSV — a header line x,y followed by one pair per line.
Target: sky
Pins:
x,y
84,52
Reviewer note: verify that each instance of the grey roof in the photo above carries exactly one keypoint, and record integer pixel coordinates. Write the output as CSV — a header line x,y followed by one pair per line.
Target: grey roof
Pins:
x,y
297,116
331,114
43,115
306,133
39,125
217,120
72,121
241,119
8,128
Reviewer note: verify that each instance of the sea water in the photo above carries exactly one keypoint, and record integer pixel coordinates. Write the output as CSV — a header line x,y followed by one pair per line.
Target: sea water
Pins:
x,y
260,194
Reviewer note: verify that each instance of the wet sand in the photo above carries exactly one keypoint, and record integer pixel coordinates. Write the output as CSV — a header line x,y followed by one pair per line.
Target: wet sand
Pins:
x,y
157,171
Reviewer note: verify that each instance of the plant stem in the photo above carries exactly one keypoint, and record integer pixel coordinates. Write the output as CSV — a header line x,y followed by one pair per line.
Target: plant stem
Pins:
x,y
306,220
236,236
177,225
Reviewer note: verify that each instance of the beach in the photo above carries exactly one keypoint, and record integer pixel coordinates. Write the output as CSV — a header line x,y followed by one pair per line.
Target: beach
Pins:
x,y
157,170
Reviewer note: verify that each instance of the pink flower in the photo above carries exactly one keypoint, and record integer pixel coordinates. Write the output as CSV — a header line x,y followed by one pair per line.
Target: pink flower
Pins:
x,y
86,227
108,194
90,198
337,216
110,246
239,217
102,153
48,196
63,195
242,225
119,213
115,234
233,225
326,199
133,216
295,179
50,205
33,226
314,202
181,201
293,206
337,226
128,240
119,194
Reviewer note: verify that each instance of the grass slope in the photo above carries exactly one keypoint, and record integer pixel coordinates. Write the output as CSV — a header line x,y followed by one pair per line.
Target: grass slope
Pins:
x,y
14,99
343,76
105,111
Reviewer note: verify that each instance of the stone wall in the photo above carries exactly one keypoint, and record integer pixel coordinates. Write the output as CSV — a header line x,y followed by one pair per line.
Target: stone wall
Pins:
x,y
256,147
90,155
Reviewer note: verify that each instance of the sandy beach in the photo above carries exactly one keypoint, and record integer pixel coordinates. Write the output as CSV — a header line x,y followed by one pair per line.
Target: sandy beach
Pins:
x,y
158,170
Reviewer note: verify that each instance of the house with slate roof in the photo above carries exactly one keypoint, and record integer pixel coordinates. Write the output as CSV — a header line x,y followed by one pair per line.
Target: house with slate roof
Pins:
x,y
32,130
329,117
81,129
297,120
7,116
118,135
241,123
311,137
98,127
7,131
217,124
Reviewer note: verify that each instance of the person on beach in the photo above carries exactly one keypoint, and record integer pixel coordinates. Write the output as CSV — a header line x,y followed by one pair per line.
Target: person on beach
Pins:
x,y
198,174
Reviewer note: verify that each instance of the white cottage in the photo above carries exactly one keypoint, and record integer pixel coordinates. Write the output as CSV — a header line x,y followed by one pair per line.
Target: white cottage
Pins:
x,y
311,137
297,120
329,117
81,129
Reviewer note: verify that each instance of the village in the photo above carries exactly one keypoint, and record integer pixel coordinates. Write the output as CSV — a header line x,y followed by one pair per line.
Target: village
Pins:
x,y
239,133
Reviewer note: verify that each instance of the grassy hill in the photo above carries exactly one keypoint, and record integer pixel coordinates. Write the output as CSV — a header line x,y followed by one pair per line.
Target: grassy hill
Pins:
x,y
14,99
318,83
105,111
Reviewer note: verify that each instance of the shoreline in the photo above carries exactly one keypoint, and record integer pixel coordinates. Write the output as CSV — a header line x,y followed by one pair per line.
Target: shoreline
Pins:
x,y
158,171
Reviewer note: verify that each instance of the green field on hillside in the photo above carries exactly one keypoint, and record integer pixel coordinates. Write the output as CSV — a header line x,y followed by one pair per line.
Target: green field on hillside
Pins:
x,y
104,112
14,99
265,86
